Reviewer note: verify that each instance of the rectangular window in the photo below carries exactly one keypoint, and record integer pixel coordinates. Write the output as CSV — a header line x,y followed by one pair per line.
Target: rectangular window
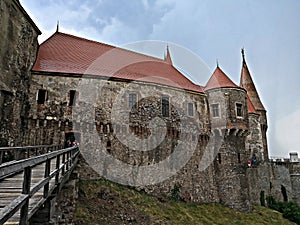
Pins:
x,y
215,110
72,96
41,96
239,110
132,101
165,106
190,109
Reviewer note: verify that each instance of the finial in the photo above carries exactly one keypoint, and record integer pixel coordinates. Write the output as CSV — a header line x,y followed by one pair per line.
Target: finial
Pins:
x,y
57,26
217,63
243,54
168,56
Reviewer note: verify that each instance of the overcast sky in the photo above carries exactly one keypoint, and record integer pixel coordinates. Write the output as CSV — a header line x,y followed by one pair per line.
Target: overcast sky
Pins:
x,y
267,29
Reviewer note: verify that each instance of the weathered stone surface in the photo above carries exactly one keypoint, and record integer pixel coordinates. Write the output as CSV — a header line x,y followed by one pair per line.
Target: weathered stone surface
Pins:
x,y
205,156
18,49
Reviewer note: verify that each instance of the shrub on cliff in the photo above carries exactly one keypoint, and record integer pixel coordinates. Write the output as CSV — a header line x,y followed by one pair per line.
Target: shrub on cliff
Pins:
x,y
290,210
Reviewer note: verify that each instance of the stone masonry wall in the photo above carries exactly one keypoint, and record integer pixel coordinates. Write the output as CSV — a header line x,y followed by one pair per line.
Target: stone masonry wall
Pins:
x,y
18,49
254,142
181,152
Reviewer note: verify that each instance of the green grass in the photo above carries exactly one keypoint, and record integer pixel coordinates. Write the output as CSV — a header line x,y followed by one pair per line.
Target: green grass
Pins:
x,y
104,202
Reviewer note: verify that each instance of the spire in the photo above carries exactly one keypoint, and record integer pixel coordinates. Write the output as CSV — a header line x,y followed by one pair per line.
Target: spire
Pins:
x,y
57,26
168,56
243,55
247,83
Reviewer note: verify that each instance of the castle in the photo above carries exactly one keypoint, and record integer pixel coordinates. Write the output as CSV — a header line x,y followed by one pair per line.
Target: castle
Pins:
x,y
138,119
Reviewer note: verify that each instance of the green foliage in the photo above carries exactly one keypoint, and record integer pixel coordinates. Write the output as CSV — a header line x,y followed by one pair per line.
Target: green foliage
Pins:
x,y
290,210
175,193
104,202
262,198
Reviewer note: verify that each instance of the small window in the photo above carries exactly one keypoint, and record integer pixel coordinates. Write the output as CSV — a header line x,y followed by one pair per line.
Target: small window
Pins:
x,y
165,106
42,96
72,96
239,157
219,158
132,101
215,110
239,110
108,146
190,109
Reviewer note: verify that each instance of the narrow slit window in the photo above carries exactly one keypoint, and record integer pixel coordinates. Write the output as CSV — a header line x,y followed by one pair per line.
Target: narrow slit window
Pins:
x,y
72,95
215,110
165,106
132,101
41,96
239,110
190,109
219,158
239,158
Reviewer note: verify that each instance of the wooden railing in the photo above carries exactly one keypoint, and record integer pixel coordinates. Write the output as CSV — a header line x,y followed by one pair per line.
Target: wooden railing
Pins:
x,y
17,153
63,161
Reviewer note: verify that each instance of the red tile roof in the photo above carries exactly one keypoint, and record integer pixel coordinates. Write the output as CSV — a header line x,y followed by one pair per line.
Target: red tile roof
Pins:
x,y
219,80
247,83
251,108
68,54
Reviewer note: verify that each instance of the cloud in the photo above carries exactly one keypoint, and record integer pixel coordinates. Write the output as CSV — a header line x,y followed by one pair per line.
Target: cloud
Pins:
x,y
287,132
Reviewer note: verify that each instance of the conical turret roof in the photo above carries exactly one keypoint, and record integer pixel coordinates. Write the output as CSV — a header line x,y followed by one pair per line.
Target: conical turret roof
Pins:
x,y
247,83
219,80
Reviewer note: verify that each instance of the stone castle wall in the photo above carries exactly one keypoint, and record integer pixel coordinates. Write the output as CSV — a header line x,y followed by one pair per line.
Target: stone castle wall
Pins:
x,y
183,146
204,156
18,49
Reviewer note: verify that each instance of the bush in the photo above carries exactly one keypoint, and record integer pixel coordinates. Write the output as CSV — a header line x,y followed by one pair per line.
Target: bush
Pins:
x,y
175,193
290,210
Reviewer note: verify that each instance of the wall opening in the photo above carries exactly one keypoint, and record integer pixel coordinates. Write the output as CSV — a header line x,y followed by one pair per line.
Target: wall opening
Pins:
x,y
219,158
71,138
41,96
284,193
72,97
108,146
165,106
239,157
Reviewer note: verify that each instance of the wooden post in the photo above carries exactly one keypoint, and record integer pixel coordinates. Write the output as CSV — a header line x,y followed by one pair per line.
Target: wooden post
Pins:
x,y
47,172
57,167
26,190
63,162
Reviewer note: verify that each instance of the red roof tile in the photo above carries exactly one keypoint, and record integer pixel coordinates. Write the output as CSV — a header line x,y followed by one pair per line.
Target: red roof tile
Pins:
x,y
219,80
251,108
247,83
168,56
67,54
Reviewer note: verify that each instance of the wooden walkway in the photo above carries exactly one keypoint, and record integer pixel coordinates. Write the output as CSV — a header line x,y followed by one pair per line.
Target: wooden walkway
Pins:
x,y
26,184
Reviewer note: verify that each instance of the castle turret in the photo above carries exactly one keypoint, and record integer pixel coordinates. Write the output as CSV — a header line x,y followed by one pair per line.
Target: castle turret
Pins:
x,y
229,124
247,83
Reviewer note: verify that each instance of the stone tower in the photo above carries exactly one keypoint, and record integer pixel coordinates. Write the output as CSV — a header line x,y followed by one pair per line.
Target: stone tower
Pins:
x,y
18,49
229,124
247,83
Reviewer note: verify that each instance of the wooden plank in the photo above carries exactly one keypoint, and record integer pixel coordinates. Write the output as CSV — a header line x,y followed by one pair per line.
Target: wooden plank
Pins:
x,y
12,208
11,187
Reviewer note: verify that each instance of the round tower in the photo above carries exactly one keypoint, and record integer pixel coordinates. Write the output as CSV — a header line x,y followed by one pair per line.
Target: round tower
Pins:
x,y
247,83
229,123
